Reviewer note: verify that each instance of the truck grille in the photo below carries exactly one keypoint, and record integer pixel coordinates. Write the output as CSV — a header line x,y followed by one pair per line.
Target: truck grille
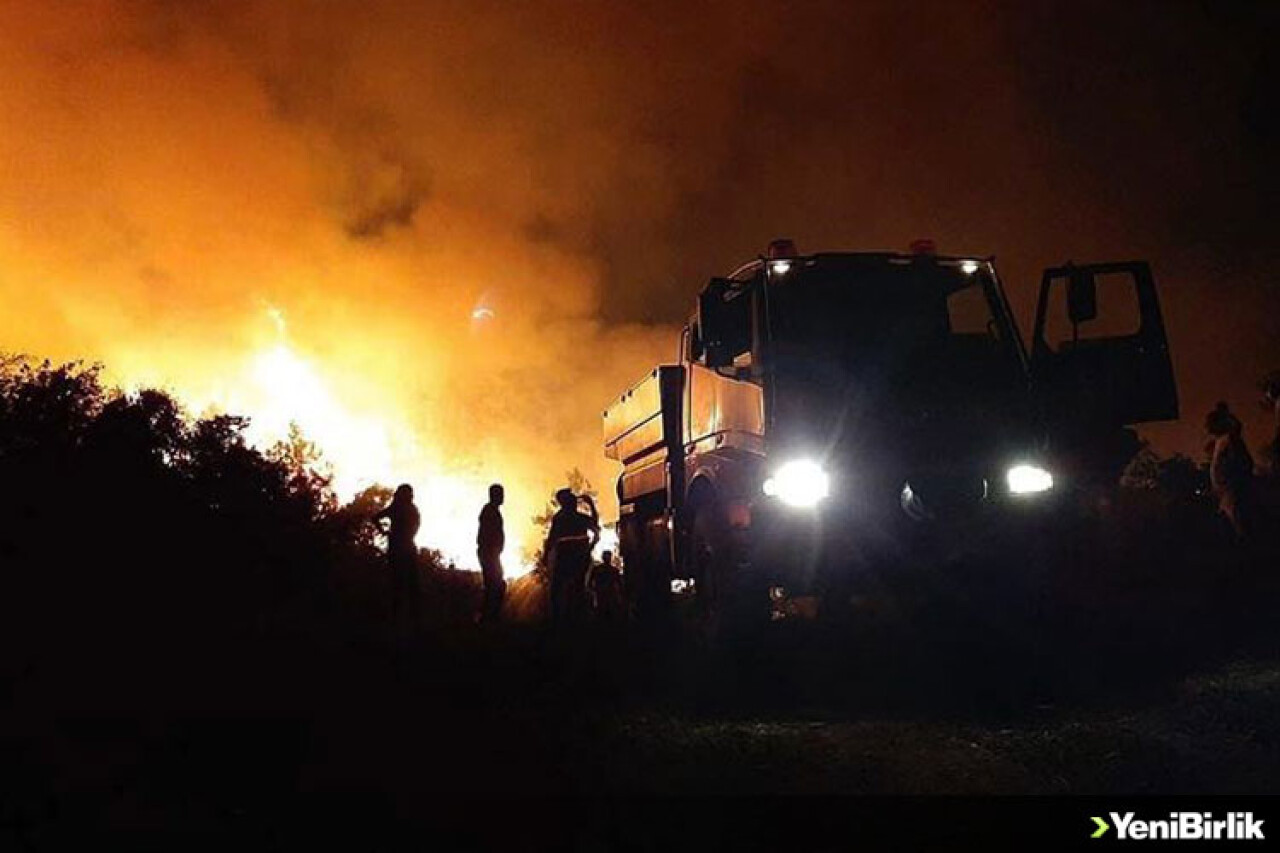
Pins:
x,y
942,496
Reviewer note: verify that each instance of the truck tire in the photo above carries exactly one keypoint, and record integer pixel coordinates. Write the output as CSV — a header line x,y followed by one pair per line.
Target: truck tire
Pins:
x,y
646,577
730,603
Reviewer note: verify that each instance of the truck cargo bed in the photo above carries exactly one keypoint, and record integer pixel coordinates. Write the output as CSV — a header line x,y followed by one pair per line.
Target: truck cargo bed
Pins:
x,y
646,417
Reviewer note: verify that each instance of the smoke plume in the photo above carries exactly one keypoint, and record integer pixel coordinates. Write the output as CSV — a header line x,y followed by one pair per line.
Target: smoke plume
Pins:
x,y
441,236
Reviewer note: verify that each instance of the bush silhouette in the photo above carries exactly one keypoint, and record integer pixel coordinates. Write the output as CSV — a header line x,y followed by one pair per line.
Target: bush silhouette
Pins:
x,y
138,543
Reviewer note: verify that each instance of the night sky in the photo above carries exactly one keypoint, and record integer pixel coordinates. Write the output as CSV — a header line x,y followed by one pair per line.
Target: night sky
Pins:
x,y
184,186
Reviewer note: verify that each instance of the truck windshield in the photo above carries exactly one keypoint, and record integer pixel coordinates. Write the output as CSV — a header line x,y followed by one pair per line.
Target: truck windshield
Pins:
x,y
896,321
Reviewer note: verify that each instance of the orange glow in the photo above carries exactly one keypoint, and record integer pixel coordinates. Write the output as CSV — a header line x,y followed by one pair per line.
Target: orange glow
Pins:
x,y
382,172
202,207
278,387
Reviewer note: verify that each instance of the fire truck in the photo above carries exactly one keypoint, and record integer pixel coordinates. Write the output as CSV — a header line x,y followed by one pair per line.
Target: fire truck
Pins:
x,y
832,415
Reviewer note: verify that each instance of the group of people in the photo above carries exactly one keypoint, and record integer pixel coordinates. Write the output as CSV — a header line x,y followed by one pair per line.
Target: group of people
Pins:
x,y
577,584
1231,465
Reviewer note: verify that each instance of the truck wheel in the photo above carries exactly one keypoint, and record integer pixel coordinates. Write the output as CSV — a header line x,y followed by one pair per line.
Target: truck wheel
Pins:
x,y
729,604
647,581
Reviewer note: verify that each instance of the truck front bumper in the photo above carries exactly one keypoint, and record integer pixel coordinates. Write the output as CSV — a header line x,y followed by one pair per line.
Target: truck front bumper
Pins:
x,y
806,550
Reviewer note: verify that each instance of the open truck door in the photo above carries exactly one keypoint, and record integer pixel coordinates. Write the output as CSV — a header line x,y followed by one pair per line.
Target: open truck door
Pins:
x,y
1099,352
1100,363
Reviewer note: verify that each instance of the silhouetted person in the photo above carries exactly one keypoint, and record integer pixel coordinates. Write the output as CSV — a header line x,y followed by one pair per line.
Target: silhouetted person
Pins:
x,y
402,557
490,540
604,582
1231,470
568,554
1271,401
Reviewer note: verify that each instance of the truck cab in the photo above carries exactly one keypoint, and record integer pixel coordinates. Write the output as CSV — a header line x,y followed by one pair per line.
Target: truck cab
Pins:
x,y
830,414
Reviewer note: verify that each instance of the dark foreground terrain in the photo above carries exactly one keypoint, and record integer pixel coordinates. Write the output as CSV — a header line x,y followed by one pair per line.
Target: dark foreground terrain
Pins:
x,y
196,647
1180,694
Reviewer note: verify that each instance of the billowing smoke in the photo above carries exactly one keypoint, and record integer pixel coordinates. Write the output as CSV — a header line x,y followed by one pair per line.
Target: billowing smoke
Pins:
x,y
442,235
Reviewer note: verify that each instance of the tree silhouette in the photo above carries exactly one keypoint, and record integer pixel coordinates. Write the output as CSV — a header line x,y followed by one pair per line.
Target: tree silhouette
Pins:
x,y
309,477
354,517
1177,476
135,539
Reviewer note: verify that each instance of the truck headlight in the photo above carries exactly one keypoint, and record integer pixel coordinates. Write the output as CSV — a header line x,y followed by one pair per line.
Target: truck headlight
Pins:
x,y
1028,479
801,483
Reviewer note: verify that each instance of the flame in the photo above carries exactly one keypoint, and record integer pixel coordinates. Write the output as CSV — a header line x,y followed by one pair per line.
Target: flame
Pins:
x,y
278,386
263,226
292,392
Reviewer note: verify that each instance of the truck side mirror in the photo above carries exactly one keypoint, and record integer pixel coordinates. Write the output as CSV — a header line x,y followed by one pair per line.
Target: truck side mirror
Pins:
x,y
695,342
718,356
713,317
1082,297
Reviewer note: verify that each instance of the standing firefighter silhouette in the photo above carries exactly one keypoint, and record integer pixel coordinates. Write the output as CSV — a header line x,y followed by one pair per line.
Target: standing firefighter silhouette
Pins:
x,y
604,582
568,551
1231,470
402,557
490,539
